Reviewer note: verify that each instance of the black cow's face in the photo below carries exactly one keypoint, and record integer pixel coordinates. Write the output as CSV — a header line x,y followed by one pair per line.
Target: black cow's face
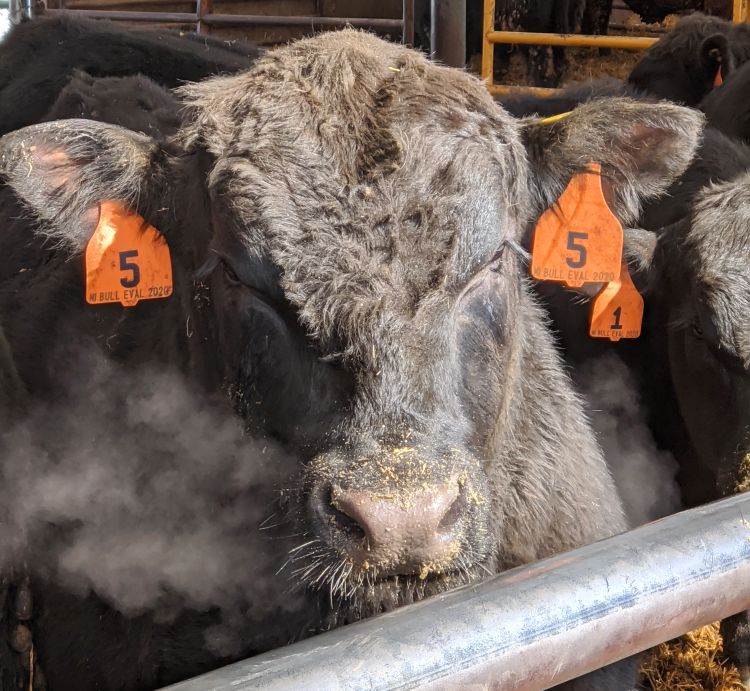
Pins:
x,y
683,65
351,226
708,331
668,77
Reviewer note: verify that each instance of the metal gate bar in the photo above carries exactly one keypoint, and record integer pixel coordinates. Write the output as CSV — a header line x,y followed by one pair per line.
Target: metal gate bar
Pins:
x,y
535,626
204,17
229,19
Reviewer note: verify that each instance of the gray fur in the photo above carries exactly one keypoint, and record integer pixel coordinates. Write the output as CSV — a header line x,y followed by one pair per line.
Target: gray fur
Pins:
x,y
381,188
719,242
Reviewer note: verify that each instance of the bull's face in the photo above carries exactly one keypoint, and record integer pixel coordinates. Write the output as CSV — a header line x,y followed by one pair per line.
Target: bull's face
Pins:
x,y
350,217
706,286
390,423
366,320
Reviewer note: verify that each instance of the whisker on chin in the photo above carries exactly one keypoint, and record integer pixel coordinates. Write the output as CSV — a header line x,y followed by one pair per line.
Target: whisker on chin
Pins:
x,y
354,593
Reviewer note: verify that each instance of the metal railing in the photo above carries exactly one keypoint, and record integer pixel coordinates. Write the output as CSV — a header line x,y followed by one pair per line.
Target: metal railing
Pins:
x,y
204,18
535,626
491,37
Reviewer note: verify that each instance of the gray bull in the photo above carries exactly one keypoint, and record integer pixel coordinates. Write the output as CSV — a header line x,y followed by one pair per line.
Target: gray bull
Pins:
x,y
351,209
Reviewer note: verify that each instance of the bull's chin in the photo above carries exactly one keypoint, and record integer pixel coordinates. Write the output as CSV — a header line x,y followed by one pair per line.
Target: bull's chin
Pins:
x,y
388,592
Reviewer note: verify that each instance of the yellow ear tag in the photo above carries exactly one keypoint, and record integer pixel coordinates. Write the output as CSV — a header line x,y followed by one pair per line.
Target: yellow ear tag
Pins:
x,y
579,239
554,118
127,259
617,310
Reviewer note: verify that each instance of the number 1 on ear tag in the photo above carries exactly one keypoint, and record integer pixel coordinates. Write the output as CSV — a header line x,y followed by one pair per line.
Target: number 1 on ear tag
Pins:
x,y
617,310
127,260
579,239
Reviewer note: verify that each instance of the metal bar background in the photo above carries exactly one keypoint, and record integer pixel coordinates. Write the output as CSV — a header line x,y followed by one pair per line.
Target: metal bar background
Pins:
x,y
203,8
490,37
448,31
739,11
538,39
204,17
231,19
488,48
127,15
408,15
535,626
263,20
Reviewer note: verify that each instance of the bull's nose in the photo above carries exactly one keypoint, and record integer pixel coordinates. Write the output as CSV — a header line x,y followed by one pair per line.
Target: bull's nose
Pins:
x,y
403,531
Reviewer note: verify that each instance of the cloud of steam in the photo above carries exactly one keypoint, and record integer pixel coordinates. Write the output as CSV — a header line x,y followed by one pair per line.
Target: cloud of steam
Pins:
x,y
157,497
644,475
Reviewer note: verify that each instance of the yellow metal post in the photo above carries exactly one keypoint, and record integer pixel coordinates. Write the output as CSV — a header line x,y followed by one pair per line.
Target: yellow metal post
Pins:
x,y
502,90
488,48
739,11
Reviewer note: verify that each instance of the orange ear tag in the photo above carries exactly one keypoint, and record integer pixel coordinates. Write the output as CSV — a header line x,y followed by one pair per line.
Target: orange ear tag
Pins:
x,y
718,79
127,260
579,240
617,310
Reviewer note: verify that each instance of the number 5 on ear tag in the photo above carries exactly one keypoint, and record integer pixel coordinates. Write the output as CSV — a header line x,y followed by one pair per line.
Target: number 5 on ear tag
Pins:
x,y
579,239
617,310
127,260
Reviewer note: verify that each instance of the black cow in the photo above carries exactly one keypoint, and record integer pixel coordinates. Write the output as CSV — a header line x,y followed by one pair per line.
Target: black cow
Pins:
x,y
726,107
350,210
545,64
522,104
37,58
669,369
698,285
691,362
684,379
596,16
657,10
683,65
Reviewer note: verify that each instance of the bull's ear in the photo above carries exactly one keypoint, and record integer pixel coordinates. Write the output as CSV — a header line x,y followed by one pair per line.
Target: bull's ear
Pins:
x,y
62,170
642,148
715,55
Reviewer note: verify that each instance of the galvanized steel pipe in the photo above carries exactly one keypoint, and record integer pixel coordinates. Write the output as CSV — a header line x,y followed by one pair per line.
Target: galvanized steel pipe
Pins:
x,y
535,626
448,31
16,11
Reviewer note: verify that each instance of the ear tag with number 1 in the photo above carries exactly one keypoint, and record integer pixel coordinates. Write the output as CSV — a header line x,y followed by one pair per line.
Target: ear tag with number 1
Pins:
x,y
617,310
579,239
718,78
127,260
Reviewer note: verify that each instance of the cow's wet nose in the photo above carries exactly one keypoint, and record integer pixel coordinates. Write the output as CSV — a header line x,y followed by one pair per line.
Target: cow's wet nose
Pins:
x,y
402,532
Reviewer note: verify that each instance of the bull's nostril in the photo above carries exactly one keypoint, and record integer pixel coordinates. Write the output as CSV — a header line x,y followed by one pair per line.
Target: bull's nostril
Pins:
x,y
454,513
344,522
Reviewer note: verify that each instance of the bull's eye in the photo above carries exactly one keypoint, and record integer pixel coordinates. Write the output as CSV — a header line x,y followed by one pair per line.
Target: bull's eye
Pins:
x,y
230,274
696,330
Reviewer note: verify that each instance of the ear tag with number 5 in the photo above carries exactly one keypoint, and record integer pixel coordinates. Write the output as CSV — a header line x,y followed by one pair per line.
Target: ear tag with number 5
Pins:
x,y
617,310
579,239
127,260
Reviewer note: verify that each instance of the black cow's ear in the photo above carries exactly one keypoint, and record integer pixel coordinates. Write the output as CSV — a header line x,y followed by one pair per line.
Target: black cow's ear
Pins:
x,y
716,55
642,148
62,170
